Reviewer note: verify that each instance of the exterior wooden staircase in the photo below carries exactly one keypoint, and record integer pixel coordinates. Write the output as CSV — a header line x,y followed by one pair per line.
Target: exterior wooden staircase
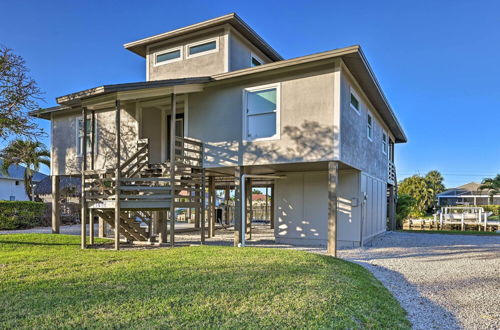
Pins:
x,y
144,187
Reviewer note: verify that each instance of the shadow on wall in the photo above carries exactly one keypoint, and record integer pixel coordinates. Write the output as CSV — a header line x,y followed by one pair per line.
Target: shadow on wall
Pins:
x,y
105,150
311,141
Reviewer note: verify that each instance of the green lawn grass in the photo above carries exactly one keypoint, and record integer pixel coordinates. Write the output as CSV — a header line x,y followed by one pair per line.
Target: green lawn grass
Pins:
x,y
452,232
46,281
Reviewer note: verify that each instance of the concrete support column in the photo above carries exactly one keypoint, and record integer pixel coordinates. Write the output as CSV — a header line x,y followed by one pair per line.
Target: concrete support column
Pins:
x,y
272,206
332,208
202,207
211,207
227,197
56,212
249,213
238,221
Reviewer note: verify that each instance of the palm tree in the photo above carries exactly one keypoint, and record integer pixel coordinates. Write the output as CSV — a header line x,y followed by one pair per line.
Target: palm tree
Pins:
x,y
30,154
491,184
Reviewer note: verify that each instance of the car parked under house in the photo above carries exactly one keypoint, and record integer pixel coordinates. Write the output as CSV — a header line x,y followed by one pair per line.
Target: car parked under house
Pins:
x,y
317,128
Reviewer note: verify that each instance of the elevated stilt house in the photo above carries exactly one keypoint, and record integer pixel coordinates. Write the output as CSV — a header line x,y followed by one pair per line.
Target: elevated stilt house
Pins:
x,y
221,109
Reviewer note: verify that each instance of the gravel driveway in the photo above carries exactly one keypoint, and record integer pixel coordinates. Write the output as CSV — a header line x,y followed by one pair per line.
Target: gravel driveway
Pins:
x,y
442,281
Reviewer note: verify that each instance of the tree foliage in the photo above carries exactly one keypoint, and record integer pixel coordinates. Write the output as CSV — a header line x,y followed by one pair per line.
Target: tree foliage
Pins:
x,y
404,207
30,154
423,190
434,181
19,94
492,185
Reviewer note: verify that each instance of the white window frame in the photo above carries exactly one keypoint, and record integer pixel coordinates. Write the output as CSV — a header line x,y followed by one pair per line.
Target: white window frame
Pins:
x,y
353,92
369,127
253,56
206,41
156,54
277,135
385,142
77,141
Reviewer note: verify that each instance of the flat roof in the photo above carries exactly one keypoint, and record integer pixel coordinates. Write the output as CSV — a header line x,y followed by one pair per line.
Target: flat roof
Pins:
x,y
139,46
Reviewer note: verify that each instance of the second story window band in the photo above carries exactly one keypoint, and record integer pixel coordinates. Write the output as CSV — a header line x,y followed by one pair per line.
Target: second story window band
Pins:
x,y
168,56
200,48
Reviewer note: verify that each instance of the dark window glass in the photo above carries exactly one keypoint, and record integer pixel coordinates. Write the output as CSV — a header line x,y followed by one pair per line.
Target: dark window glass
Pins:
x,y
202,48
255,62
168,56
354,102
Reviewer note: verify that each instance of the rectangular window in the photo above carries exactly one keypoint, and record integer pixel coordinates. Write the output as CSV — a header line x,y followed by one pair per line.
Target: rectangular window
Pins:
x,y
355,102
369,127
79,136
202,48
384,143
255,61
261,106
12,198
168,56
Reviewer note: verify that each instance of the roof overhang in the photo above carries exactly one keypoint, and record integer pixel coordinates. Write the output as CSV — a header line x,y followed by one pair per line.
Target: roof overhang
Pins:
x,y
139,47
103,96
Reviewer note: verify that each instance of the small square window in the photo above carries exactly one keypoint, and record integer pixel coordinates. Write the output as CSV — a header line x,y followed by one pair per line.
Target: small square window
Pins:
x,y
17,183
369,127
255,61
12,198
354,103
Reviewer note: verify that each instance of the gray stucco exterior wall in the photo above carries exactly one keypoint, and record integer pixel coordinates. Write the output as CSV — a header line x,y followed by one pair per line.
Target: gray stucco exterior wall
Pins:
x,y
356,149
240,52
198,66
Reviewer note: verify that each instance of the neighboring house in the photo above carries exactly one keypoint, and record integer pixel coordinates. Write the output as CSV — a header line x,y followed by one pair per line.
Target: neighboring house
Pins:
x,y
468,194
12,183
317,128
69,186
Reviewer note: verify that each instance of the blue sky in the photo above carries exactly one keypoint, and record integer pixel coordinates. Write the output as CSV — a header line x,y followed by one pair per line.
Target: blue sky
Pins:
x,y
437,61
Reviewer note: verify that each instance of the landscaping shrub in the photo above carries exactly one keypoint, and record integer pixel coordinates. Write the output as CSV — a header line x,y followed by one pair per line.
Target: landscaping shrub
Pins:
x,y
404,207
20,214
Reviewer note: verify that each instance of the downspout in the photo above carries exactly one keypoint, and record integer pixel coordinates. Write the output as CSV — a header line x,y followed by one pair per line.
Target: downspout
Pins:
x,y
244,202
